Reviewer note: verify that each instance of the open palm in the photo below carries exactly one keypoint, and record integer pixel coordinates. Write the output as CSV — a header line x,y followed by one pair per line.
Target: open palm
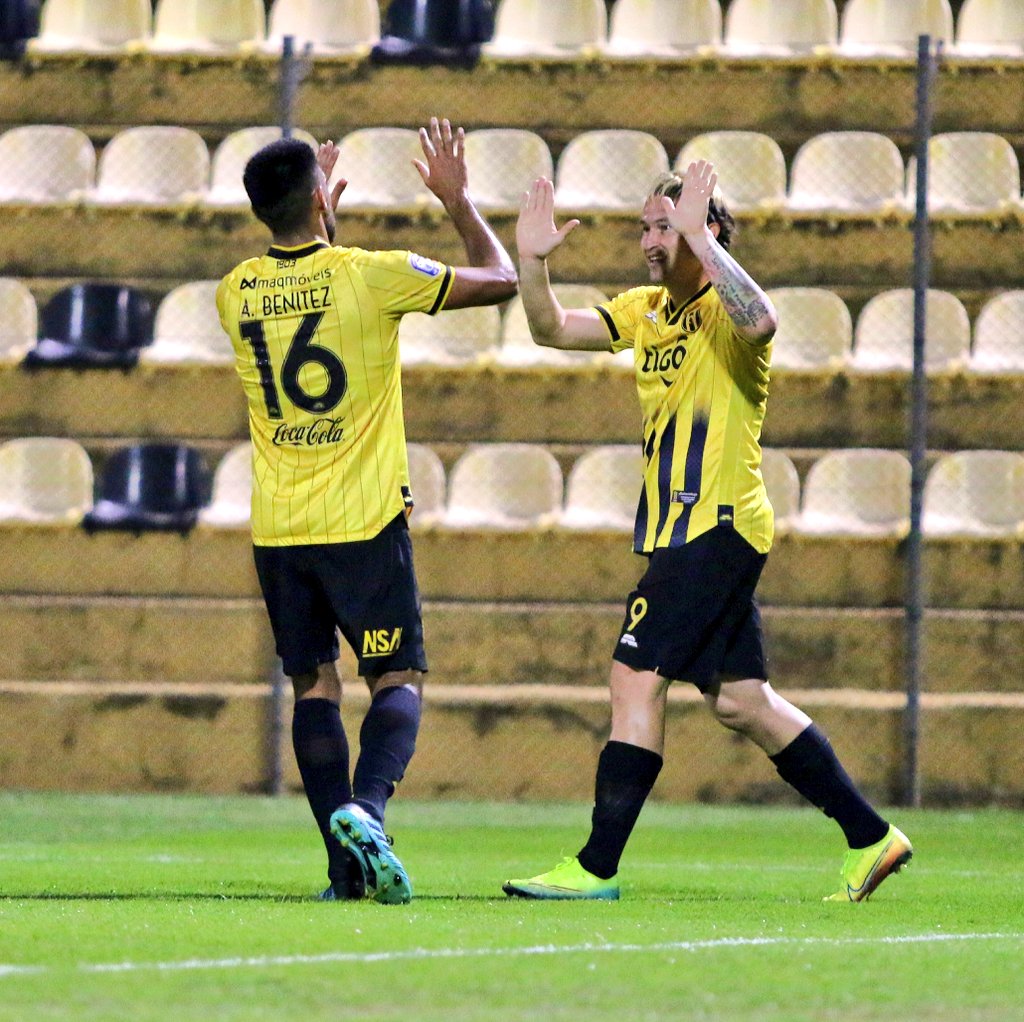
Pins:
x,y
536,234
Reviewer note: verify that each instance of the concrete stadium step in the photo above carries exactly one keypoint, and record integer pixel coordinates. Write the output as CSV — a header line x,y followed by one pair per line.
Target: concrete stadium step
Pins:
x,y
501,742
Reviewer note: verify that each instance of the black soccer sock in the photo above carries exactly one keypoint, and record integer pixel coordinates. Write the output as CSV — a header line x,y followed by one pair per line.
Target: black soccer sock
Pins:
x,y
321,751
387,741
811,766
625,775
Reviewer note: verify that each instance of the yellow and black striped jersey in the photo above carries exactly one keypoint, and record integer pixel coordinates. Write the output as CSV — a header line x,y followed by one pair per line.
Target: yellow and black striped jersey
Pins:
x,y
703,391
315,333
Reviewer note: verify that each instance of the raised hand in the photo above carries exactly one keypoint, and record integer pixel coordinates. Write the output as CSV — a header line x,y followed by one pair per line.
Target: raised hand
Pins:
x,y
327,158
689,215
443,167
536,234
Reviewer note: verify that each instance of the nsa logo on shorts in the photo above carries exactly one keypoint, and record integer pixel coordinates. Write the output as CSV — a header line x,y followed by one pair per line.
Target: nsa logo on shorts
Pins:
x,y
425,266
628,640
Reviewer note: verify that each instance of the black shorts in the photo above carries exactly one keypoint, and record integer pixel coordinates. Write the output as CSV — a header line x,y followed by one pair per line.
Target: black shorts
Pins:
x,y
693,616
367,589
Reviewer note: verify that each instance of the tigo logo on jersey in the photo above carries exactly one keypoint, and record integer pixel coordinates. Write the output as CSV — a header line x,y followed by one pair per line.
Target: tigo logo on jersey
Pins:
x,y
381,642
427,266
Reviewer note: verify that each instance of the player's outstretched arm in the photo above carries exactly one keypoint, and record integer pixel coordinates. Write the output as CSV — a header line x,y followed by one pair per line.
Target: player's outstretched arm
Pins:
x,y
748,306
491,275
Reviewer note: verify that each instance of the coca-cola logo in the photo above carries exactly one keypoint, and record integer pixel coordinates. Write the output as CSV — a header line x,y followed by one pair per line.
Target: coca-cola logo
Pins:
x,y
316,434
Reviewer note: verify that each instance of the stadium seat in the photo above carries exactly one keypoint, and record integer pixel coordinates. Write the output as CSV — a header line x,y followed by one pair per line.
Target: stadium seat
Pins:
x,y
457,337
426,32
230,158
517,344
536,28
207,26
331,26
427,482
231,504
377,163
884,337
18,321
815,331
93,326
504,486
891,27
19,22
502,163
609,170
750,167
664,28
856,492
848,173
990,28
44,480
976,494
603,489
999,335
783,486
92,25
153,166
187,330
780,27
45,163
969,172
151,487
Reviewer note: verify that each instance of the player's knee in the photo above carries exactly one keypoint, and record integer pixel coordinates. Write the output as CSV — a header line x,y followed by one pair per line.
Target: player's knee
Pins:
x,y
736,714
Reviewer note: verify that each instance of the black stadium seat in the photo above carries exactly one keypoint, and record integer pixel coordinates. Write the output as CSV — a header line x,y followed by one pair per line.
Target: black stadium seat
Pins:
x,y
424,32
19,21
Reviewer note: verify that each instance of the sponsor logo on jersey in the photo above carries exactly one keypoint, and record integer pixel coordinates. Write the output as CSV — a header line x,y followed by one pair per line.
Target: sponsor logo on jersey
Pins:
x,y
684,497
628,640
426,266
316,434
248,284
381,641
291,280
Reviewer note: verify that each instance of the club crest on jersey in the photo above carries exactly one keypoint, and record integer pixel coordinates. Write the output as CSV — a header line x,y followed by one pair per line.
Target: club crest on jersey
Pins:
x,y
424,266
690,323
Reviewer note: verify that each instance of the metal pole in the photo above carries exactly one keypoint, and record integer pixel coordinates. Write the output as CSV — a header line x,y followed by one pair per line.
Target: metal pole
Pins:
x,y
914,606
289,86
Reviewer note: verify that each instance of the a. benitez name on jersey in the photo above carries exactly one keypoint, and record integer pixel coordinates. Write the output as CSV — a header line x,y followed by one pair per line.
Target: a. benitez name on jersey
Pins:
x,y
316,434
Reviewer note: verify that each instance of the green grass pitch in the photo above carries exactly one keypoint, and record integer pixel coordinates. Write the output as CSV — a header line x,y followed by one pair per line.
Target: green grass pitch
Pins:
x,y
195,908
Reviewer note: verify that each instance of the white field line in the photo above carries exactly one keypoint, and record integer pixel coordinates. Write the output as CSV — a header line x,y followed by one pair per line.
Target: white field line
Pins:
x,y
427,954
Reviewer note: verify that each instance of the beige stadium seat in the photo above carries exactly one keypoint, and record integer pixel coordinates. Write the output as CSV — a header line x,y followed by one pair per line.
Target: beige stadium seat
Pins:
x,y
92,25
331,26
187,330
990,28
504,486
44,480
427,482
517,344
207,26
969,172
230,158
377,163
538,28
18,321
857,492
849,173
999,335
45,163
783,486
153,166
457,337
750,167
815,331
975,493
603,489
780,27
503,163
884,337
891,27
609,170
230,506
664,28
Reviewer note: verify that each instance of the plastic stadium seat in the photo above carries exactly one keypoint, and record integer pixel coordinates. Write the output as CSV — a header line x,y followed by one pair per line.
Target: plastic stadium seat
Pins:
x,y
503,163
458,337
857,492
780,27
230,158
973,172
505,486
847,172
187,330
377,163
517,344
990,28
18,320
975,493
750,167
613,169
891,27
231,504
44,479
427,482
153,166
884,337
664,28
332,26
92,24
999,335
93,326
207,25
539,28
815,331
151,487
603,489
783,486
45,163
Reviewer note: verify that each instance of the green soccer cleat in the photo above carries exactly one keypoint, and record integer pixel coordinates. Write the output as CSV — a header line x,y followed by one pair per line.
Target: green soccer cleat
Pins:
x,y
567,881
865,868
364,838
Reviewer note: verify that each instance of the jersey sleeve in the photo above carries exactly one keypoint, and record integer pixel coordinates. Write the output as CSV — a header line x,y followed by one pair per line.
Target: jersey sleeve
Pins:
x,y
620,315
406,282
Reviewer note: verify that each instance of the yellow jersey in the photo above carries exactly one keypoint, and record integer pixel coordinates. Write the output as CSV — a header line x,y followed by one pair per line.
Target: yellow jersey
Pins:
x,y
703,391
315,334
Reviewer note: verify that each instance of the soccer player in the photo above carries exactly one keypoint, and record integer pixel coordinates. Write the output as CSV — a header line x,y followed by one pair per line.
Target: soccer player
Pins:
x,y
701,341
315,333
